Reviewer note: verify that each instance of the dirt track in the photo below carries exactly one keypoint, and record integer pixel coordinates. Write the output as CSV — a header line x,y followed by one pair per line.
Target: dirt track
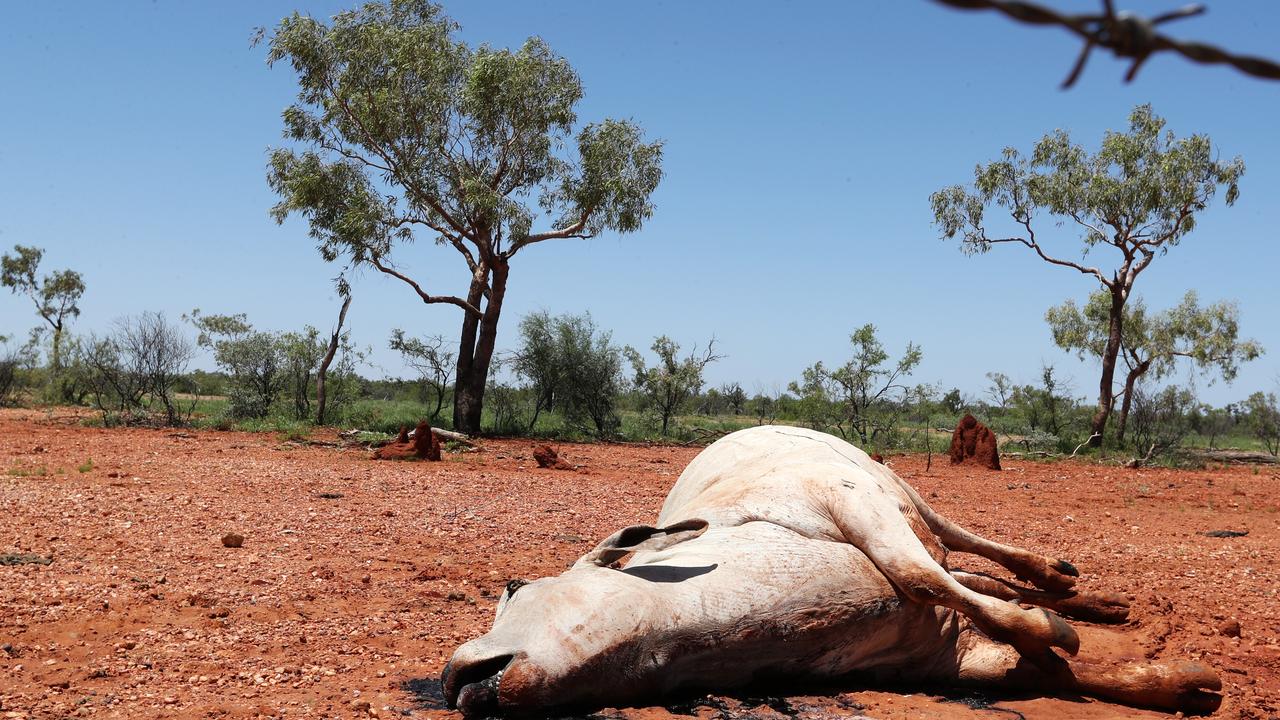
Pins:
x,y
349,605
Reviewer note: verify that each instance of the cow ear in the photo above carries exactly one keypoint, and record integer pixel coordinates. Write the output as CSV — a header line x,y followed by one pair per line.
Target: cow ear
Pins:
x,y
636,537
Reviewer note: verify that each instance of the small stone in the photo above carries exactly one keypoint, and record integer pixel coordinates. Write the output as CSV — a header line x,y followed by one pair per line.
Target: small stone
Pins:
x,y
1229,627
366,579
232,540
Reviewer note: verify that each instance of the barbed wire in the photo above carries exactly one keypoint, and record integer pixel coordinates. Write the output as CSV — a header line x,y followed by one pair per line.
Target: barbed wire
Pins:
x,y
1125,34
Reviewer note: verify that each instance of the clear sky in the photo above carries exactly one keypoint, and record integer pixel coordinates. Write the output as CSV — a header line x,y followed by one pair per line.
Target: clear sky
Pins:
x,y
802,143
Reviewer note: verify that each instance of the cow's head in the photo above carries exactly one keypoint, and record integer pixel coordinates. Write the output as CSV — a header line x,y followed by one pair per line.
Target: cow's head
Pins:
x,y
571,639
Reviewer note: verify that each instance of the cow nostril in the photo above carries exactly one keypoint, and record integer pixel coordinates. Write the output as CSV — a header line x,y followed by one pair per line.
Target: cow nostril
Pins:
x,y
474,688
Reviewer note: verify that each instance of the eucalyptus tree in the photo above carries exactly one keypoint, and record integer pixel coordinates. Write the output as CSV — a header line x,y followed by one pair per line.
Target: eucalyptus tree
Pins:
x,y
56,295
863,397
1264,419
1151,344
1137,195
572,364
672,380
404,133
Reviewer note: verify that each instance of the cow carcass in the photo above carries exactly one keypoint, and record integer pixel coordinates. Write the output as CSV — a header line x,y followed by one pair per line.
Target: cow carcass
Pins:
x,y
783,553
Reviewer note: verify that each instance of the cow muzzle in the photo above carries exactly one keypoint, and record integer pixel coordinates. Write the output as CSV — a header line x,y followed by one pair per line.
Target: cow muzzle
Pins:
x,y
471,685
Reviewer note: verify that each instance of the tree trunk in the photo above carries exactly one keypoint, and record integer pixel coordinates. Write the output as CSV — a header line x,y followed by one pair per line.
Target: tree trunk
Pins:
x,y
463,390
468,404
1105,393
323,371
55,359
1129,382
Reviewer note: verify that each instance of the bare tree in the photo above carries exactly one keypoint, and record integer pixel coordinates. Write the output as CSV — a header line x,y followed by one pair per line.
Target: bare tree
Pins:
x,y
735,396
1161,421
335,338
133,373
432,360
1000,390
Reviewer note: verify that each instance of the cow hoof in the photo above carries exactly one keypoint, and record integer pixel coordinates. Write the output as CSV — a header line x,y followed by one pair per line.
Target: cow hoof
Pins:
x,y
1197,688
1064,636
1099,607
1051,575
1037,634
1190,687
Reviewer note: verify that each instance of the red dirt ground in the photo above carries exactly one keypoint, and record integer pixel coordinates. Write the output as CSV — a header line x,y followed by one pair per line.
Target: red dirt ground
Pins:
x,y
349,606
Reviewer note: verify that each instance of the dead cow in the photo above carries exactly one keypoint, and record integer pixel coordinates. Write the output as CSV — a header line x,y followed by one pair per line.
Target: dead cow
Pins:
x,y
787,553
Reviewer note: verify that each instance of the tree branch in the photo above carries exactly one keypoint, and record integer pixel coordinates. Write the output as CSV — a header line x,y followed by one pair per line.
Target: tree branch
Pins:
x,y
377,148
569,231
1076,217
450,299
1050,259
454,240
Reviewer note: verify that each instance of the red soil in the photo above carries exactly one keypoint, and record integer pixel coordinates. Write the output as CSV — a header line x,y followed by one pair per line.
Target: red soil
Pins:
x,y
357,579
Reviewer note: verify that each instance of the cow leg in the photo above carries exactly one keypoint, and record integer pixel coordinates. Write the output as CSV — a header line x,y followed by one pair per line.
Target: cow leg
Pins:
x,y
1189,687
878,524
1043,572
1099,607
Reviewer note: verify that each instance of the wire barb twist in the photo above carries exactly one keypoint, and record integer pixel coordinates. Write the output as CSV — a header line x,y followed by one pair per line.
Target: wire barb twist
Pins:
x,y
1125,34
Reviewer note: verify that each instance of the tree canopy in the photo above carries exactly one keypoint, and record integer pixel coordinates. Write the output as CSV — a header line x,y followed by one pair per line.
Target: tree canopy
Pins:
x,y
1151,343
1138,194
413,134
861,397
669,383
56,295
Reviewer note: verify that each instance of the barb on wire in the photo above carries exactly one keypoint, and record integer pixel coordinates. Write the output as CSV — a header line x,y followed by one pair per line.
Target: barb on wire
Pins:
x,y
1124,34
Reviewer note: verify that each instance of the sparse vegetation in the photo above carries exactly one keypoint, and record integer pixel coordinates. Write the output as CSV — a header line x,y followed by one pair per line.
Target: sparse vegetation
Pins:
x,y
410,134
864,398
1139,193
672,381
132,374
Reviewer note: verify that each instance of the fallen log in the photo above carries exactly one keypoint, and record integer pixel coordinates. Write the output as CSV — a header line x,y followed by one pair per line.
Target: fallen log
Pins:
x,y
350,435
1243,457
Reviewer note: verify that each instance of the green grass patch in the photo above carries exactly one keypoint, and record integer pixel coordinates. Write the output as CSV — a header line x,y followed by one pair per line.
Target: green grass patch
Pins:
x,y
86,466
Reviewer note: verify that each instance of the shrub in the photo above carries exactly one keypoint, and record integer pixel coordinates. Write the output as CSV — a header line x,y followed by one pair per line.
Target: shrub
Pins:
x,y
132,374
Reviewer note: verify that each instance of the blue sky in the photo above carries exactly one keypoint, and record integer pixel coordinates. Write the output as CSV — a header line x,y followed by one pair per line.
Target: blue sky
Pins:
x,y
802,142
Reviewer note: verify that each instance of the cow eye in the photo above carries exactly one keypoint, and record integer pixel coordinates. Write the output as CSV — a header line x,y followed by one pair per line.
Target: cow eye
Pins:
x,y
515,585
